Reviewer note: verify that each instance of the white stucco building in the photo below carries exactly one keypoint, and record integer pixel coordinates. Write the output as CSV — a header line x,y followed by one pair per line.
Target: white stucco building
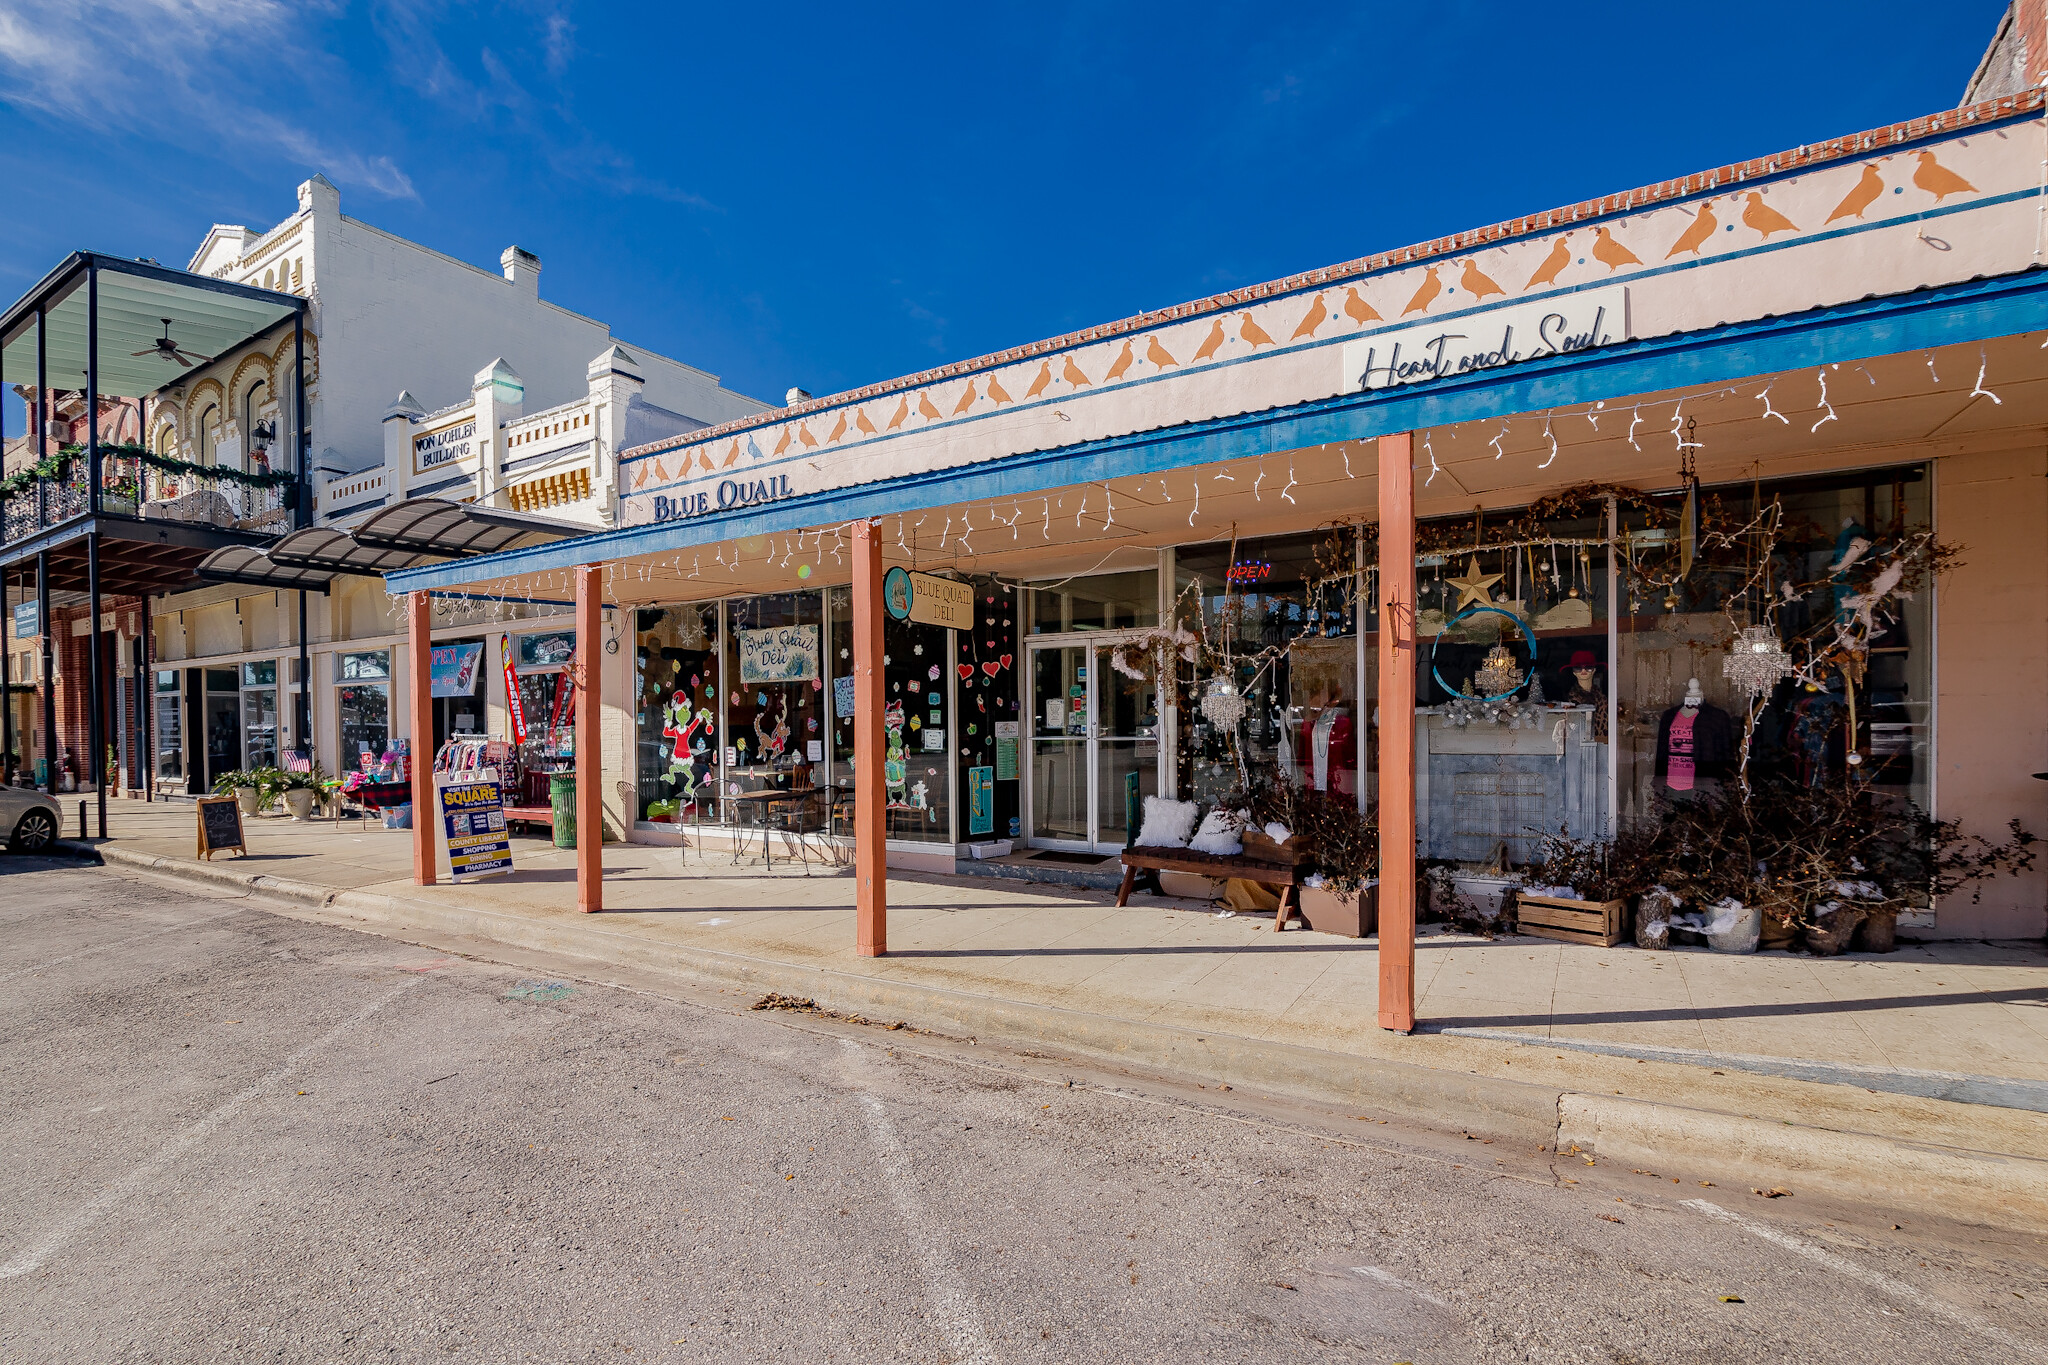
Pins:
x,y
425,377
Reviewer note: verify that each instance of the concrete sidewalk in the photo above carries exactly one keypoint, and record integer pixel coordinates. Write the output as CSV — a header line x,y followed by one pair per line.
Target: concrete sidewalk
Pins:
x,y
1740,1060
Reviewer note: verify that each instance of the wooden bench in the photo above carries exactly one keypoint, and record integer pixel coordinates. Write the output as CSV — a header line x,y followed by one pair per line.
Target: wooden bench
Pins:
x,y
1285,878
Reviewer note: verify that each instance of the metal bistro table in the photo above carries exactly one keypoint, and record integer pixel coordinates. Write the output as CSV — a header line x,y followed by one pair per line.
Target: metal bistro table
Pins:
x,y
757,804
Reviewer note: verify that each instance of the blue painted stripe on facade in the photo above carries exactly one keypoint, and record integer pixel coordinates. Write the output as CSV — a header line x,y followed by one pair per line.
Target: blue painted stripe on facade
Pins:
x,y
1957,314
1593,220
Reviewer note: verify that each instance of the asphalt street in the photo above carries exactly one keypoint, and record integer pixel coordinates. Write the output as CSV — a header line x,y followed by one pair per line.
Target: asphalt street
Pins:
x,y
237,1134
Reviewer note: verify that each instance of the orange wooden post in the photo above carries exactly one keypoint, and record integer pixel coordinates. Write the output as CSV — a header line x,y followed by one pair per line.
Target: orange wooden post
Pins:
x,y
419,610
1397,733
589,757
870,852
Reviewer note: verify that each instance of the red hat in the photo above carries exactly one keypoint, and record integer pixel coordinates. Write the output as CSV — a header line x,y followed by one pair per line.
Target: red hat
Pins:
x,y
1583,659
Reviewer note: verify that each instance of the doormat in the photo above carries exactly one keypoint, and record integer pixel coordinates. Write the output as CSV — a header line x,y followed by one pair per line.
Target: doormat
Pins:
x,y
1054,855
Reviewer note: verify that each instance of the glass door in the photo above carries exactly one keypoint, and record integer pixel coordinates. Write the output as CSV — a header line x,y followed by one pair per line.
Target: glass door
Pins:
x,y
1060,767
1126,757
1094,748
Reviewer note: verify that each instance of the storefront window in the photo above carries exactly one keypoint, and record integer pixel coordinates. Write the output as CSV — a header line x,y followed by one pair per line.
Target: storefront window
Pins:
x,y
1511,684
1282,610
259,714
457,679
1103,601
363,705
775,681
917,731
547,699
170,729
676,661
1807,731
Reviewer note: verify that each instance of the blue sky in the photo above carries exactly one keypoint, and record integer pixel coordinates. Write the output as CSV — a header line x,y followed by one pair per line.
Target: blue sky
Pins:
x,y
832,195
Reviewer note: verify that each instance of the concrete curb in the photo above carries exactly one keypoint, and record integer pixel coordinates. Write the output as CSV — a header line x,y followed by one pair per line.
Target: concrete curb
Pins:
x,y
1991,1187
2000,1189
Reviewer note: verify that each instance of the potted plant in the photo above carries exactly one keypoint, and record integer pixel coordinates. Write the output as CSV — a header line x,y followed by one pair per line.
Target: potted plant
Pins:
x,y
270,784
238,783
303,790
1342,845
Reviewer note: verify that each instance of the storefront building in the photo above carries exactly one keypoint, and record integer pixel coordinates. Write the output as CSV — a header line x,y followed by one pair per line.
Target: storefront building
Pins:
x,y
249,669
1731,478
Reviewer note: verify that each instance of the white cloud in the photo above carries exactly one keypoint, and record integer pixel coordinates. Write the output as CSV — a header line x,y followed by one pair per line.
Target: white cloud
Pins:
x,y
176,71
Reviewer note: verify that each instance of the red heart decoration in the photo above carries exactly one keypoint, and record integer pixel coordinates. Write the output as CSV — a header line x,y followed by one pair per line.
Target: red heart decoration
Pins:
x,y
1006,661
966,671
991,669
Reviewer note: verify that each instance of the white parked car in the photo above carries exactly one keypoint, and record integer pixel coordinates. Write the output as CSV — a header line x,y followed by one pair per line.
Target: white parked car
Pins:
x,y
30,818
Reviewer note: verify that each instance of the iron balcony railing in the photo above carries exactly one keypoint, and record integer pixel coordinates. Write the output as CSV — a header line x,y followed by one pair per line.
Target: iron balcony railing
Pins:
x,y
136,484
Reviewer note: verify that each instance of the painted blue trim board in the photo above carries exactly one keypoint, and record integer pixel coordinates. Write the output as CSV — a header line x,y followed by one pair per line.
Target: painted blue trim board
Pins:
x,y
1951,315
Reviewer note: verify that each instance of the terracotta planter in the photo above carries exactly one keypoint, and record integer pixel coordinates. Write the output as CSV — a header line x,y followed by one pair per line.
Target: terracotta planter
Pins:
x,y
1353,916
1832,930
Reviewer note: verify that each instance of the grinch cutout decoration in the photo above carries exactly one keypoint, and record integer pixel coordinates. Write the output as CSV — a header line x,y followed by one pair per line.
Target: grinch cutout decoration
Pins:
x,y
690,734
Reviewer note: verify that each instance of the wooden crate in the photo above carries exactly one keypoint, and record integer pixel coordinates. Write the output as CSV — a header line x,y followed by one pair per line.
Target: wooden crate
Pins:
x,y
1597,922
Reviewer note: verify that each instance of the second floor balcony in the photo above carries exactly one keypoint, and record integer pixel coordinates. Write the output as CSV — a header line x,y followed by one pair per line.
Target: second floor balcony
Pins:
x,y
137,484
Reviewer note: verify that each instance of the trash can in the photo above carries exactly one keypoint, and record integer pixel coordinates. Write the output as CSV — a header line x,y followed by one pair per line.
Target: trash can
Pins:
x,y
562,796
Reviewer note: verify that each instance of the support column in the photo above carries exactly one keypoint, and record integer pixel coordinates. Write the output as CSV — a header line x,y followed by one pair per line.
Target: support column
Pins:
x,y
95,692
302,712
49,672
589,675
870,850
7,692
145,697
1397,732
419,615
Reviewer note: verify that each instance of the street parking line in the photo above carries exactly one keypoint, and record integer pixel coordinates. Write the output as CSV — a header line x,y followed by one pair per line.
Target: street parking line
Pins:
x,y
102,1203
946,1288
1883,1283
120,942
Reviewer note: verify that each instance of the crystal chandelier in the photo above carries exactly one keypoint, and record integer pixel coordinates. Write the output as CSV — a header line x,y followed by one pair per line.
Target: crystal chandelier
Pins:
x,y
1757,662
1223,704
1498,676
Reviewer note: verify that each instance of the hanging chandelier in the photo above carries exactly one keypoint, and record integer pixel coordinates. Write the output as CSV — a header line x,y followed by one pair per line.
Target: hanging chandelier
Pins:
x,y
1757,661
1223,704
1498,676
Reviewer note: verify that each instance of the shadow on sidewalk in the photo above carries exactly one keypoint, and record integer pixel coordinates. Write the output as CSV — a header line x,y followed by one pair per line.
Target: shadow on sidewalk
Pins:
x,y
2030,995
1190,950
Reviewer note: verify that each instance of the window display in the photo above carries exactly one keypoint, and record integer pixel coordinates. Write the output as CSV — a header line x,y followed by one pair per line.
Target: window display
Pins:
x,y
677,661
1282,611
774,691
363,705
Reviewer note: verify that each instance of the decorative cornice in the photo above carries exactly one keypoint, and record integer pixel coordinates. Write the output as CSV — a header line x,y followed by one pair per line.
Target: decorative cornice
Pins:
x,y
1804,157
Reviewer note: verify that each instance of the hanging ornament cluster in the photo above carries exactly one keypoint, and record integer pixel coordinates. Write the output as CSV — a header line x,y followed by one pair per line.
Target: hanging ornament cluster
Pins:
x,y
1223,704
1499,675
1757,662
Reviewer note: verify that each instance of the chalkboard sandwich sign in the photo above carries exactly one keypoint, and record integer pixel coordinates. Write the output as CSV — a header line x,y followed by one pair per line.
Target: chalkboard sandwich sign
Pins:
x,y
220,827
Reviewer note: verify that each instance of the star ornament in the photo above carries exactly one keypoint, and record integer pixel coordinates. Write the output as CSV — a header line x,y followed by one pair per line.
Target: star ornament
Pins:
x,y
1472,587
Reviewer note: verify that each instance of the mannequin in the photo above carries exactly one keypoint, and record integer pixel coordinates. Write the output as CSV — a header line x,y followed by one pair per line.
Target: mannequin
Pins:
x,y
1695,742
1333,755
1584,687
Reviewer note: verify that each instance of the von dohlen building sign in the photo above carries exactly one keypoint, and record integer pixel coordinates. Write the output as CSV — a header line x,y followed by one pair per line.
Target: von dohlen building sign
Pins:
x,y
729,494
445,446
1482,341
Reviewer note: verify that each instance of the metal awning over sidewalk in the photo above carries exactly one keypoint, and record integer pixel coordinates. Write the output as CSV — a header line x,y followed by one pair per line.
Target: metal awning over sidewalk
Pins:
x,y
412,533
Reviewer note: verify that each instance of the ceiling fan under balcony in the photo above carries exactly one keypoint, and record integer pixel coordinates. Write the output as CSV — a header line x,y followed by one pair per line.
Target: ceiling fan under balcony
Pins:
x,y
170,350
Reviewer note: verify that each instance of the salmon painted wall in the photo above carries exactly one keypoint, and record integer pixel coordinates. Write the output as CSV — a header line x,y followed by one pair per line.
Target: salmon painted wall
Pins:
x,y
1991,619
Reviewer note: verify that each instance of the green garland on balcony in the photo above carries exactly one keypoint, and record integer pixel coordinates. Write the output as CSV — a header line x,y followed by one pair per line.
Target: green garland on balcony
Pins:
x,y
171,464
51,468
